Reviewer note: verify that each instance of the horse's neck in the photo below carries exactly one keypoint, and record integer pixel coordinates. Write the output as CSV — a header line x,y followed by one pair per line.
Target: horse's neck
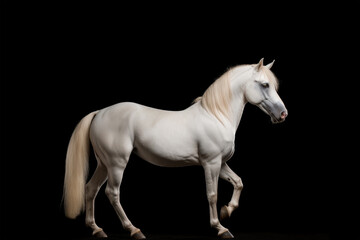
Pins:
x,y
238,100
237,107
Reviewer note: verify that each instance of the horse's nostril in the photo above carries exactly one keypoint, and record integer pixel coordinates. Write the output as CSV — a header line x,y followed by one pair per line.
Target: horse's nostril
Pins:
x,y
283,114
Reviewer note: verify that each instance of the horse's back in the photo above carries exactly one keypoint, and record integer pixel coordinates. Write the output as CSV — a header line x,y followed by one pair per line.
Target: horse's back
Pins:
x,y
128,115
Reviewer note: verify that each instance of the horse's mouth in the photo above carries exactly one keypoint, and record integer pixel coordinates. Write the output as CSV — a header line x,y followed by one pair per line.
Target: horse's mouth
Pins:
x,y
275,120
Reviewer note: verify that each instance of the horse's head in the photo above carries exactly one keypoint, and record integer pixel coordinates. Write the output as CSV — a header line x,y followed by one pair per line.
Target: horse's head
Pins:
x,y
261,90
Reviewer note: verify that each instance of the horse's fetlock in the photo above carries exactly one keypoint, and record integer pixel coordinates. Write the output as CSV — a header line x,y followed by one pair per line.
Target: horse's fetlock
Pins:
x,y
214,222
127,225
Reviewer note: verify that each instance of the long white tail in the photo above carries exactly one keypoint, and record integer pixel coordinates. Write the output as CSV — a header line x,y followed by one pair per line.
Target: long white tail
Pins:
x,y
76,167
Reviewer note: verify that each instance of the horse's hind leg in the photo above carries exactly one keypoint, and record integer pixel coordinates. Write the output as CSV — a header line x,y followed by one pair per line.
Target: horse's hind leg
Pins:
x,y
92,188
115,174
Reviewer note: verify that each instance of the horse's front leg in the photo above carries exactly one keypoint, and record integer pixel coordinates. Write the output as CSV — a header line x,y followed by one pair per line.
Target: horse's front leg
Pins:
x,y
227,174
212,170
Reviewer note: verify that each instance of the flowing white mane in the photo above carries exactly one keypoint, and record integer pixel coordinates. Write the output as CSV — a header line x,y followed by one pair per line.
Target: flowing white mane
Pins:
x,y
217,97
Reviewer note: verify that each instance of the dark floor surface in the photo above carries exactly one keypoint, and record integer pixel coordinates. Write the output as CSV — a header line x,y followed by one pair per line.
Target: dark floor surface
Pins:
x,y
242,236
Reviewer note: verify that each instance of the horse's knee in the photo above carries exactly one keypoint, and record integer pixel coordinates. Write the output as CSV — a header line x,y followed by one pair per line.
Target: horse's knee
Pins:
x,y
212,197
238,184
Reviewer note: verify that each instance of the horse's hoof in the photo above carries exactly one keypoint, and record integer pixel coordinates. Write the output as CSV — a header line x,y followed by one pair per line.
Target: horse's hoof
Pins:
x,y
226,235
224,213
100,234
138,235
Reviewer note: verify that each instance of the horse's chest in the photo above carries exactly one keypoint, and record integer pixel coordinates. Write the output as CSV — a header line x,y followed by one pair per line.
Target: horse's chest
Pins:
x,y
228,152
221,145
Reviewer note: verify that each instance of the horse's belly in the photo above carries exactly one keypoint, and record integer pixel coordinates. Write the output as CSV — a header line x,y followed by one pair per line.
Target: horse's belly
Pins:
x,y
167,156
166,162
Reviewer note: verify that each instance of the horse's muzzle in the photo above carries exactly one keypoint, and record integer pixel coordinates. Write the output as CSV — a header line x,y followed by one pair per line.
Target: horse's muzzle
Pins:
x,y
283,115
276,111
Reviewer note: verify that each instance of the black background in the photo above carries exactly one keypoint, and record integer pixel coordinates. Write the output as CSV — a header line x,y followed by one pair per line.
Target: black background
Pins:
x,y
64,61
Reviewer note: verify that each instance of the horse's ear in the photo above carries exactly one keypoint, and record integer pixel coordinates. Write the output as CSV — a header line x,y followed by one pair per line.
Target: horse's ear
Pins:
x,y
270,64
259,65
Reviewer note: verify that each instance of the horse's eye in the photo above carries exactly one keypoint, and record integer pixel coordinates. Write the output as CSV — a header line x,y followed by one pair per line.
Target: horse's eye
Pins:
x,y
265,85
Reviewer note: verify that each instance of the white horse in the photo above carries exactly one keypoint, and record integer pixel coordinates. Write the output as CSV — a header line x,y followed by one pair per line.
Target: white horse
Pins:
x,y
203,134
